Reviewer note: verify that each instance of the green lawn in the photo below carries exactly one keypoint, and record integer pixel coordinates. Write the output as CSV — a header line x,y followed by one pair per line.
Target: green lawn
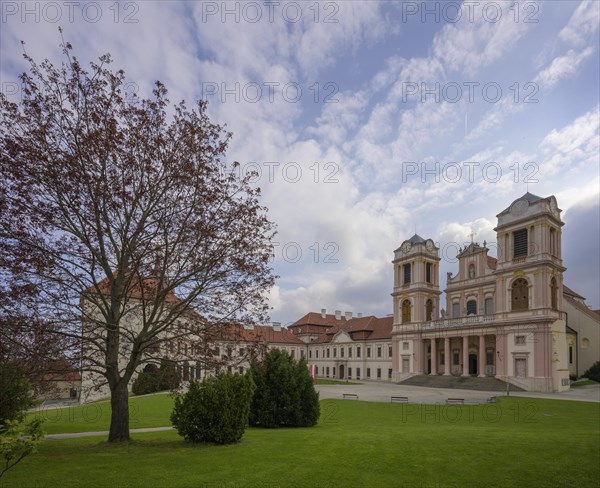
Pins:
x,y
325,381
517,442
144,411
584,383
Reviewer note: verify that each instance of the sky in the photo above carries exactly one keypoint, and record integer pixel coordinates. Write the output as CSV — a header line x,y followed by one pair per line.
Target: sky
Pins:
x,y
367,121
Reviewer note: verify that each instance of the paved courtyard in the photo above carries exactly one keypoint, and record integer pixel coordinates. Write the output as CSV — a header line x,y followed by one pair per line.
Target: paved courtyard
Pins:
x,y
381,392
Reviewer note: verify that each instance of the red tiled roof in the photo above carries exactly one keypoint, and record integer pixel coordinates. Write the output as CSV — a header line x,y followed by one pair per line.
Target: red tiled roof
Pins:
x,y
376,328
69,376
582,307
315,318
492,262
237,332
568,291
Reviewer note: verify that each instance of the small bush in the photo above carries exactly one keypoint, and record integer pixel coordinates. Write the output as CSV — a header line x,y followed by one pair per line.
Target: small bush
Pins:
x,y
215,410
285,395
594,372
16,393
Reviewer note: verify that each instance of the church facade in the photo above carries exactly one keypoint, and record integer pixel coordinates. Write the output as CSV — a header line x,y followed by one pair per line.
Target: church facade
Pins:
x,y
504,317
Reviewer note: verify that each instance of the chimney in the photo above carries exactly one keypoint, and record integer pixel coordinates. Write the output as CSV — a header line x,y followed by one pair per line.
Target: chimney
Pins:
x,y
338,315
359,315
348,315
324,313
276,326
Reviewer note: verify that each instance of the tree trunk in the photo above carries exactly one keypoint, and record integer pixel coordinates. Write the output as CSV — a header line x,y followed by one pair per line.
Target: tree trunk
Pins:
x,y
119,419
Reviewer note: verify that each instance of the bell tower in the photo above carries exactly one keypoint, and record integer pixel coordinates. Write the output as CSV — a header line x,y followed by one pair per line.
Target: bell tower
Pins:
x,y
416,294
530,268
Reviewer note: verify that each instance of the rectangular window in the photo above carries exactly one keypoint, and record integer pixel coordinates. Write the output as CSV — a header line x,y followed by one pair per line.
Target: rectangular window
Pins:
x,y
341,352
489,357
489,306
520,368
520,243
553,245
389,374
349,351
335,352
455,310
405,346
390,351
378,351
302,353
328,371
357,351
327,352
368,372
242,351
368,352
317,353
229,369
217,352
310,354
349,372
406,269
293,351
428,267
455,357
520,340
570,354
378,373
358,373
334,371
241,370
405,365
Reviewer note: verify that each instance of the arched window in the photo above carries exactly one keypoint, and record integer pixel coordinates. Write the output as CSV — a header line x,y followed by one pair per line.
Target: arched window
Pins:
x,y
406,311
471,270
472,307
553,294
520,294
429,310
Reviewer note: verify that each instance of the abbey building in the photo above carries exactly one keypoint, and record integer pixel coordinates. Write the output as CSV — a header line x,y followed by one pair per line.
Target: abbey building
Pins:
x,y
504,317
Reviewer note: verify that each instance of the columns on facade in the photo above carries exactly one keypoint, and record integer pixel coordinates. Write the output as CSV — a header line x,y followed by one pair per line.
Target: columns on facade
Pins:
x,y
481,360
433,357
465,356
447,356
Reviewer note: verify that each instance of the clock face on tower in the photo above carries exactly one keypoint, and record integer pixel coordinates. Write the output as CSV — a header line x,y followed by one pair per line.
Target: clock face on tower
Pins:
x,y
406,246
429,245
519,207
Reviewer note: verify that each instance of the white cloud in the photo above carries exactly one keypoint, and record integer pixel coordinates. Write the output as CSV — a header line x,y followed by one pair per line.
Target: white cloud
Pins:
x,y
582,24
562,67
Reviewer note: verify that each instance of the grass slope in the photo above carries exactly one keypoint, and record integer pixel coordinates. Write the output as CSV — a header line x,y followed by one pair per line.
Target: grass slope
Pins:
x,y
517,442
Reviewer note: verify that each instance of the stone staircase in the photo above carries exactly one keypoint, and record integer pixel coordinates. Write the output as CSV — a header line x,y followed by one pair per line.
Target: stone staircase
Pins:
x,y
460,382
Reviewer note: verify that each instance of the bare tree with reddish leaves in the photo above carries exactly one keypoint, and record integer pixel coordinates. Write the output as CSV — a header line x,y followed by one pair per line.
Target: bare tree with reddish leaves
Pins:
x,y
110,209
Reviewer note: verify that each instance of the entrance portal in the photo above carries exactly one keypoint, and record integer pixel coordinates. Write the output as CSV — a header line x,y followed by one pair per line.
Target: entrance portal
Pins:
x,y
342,372
472,363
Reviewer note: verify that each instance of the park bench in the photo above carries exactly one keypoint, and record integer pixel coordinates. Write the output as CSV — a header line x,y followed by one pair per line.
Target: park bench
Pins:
x,y
398,399
350,396
492,399
455,401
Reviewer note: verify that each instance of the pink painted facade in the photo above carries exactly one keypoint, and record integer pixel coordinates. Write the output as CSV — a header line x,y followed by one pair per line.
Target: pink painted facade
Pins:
x,y
504,316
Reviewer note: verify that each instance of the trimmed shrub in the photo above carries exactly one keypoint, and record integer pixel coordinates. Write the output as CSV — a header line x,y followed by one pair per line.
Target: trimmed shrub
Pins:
x,y
215,410
594,372
285,395
156,379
